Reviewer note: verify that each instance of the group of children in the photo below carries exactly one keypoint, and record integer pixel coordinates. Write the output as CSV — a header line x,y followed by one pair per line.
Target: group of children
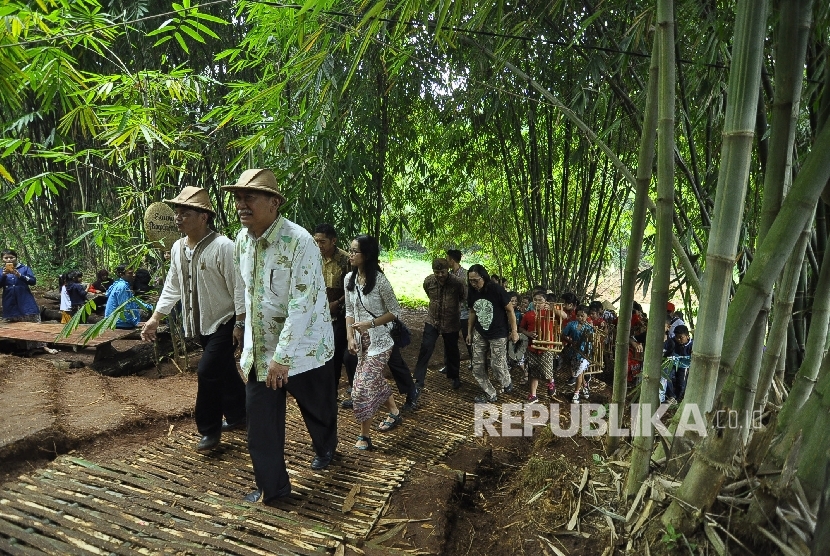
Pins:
x,y
129,285
74,293
537,316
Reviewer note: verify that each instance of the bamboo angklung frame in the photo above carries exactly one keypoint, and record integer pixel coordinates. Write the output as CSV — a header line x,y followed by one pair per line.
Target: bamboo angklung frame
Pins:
x,y
549,329
596,357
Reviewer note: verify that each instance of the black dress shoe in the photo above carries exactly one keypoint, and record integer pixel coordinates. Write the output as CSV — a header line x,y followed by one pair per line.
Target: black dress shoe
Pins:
x,y
253,497
412,398
227,427
256,496
208,442
321,462
456,384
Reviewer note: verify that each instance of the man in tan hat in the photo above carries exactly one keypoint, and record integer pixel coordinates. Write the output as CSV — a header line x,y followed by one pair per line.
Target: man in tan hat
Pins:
x,y
204,278
288,333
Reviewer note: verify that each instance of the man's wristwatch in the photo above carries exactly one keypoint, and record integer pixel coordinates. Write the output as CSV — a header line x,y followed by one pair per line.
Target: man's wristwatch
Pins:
x,y
239,324
373,323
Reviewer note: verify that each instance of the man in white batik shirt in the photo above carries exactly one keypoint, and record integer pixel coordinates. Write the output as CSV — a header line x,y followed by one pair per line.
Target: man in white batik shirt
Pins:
x,y
288,333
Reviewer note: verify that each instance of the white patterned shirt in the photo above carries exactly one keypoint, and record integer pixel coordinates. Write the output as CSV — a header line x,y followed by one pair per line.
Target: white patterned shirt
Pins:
x,y
380,300
287,316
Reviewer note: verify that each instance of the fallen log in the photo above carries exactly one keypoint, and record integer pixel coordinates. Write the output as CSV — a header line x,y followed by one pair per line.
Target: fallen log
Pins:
x,y
47,314
111,362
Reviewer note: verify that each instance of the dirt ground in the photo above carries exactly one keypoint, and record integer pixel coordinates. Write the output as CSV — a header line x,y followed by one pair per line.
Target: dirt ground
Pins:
x,y
494,495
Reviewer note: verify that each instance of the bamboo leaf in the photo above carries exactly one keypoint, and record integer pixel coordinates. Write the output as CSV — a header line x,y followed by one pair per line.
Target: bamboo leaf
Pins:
x,y
209,17
181,42
5,174
196,36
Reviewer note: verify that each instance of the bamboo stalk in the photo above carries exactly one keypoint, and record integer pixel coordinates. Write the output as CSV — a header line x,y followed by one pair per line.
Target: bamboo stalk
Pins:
x,y
794,21
782,312
702,484
796,211
645,164
817,345
649,390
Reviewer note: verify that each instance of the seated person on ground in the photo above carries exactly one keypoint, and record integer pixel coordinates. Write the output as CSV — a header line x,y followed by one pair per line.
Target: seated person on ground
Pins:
x,y
121,292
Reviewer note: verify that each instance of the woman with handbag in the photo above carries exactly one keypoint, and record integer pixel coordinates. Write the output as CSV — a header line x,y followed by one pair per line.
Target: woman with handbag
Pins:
x,y
371,310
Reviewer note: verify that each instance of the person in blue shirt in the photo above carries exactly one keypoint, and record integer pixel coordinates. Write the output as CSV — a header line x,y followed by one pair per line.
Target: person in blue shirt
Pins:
x,y
19,303
679,347
118,293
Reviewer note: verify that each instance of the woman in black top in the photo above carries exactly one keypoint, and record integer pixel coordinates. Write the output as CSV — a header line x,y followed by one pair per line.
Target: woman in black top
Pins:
x,y
492,320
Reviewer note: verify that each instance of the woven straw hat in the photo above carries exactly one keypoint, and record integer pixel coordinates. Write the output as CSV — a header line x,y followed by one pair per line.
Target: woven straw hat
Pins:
x,y
193,197
608,306
257,179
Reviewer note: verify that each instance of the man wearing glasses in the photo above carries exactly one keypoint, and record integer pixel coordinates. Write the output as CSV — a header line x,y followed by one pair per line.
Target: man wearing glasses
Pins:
x,y
204,279
288,333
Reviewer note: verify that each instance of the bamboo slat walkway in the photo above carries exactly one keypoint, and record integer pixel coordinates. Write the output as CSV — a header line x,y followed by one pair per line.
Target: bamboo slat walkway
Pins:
x,y
170,499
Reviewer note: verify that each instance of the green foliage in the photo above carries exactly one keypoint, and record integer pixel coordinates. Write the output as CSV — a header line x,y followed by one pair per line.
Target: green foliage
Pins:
x,y
95,330
412,302
672,540
188,21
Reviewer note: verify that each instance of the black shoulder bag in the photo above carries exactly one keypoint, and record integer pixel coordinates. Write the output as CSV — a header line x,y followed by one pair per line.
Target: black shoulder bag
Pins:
x,y
400,332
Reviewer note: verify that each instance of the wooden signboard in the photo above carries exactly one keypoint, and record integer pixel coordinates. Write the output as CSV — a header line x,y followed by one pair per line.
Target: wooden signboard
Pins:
x,y
159,226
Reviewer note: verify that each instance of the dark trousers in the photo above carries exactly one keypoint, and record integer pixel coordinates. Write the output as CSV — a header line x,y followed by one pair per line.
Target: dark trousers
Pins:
x,y
266,424
679,382
464,323
400,372
452,356
220,388
341,354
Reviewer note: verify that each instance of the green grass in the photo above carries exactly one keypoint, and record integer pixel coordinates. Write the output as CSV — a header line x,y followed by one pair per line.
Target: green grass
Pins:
x,y
407,278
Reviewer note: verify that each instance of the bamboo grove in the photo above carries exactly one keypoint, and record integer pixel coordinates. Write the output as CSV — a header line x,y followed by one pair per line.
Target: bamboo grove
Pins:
x,y
682,142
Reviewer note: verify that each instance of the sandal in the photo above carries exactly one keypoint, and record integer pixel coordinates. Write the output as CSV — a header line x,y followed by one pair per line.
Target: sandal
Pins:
x,y
390,422
367,440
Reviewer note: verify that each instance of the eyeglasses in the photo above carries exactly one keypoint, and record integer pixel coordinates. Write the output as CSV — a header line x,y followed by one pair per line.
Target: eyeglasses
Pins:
x,y
353,252
476,280
246,198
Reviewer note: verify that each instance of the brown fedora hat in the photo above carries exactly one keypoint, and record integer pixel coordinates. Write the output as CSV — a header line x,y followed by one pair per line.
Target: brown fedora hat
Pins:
x,y
257,179
193,197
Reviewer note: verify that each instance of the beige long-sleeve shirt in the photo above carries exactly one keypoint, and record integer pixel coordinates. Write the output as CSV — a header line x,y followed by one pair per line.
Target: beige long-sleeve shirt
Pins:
x,y
219,286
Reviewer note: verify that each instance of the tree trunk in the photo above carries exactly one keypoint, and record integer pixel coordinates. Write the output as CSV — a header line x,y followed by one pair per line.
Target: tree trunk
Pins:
x,y
782,313
649,390
635,244
738,130
702,484
139,357
794,20
821,536
816,352
769,260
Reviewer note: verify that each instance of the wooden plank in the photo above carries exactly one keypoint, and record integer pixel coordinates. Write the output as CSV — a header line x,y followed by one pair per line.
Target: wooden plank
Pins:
x,y
47,332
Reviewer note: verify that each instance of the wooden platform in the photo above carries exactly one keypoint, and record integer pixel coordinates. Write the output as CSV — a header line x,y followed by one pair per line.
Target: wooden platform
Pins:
x,y
41,332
